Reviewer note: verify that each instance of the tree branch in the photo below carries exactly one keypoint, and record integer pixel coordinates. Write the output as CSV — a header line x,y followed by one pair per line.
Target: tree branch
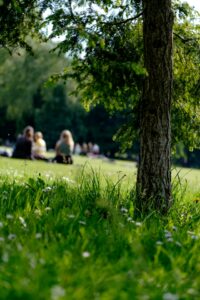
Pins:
x,y
124,21
183,39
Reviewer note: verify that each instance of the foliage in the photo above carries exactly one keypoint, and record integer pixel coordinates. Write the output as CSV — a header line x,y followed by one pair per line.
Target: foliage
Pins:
x,y
18,19
105,40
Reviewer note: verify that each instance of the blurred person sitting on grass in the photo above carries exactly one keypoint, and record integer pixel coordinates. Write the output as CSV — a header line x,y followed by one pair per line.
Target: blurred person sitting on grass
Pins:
x,y
64,148
39,146
23,146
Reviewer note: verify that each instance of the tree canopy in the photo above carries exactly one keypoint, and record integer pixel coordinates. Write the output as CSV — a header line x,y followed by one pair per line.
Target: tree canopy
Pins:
x,y
104,38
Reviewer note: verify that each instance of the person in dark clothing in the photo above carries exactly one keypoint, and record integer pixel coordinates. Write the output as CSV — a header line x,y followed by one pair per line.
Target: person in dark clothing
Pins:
x,y
23,147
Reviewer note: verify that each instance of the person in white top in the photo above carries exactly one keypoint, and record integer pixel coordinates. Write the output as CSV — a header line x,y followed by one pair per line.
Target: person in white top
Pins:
x,y
39,146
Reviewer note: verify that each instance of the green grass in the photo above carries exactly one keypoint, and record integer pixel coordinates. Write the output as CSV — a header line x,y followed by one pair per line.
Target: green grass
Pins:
x,y
67,232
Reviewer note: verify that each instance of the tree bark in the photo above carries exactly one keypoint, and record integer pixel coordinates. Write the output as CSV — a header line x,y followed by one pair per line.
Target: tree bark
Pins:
x,y
154,173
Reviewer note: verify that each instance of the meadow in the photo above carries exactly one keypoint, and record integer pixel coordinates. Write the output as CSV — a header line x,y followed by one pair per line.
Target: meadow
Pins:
x,y
68,232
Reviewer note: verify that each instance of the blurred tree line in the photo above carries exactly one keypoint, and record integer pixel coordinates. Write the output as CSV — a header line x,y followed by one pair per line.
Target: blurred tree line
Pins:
x,y
29,96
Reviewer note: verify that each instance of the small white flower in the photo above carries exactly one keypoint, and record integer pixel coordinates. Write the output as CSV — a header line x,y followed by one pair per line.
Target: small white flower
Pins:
x,y
67,179
194,237
159,243
86,254
1,224
9,217
47,189
124,210
82,222
47,208
38,212
12,236
71,216
170,240
57,292
38,235
168,234
170,296
138,224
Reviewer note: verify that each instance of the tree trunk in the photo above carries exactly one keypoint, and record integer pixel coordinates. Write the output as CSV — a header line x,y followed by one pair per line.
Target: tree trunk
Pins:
x,y
154,173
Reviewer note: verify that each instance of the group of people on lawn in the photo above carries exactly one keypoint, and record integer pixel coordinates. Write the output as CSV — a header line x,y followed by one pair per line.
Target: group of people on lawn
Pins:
x,y
31,145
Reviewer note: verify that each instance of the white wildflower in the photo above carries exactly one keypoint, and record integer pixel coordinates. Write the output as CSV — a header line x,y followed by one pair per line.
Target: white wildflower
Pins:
x,y
159,243
9,217
71,216
138,224
38,235
12,236
168,234
82,222
124,210
170,240
170,296
57,292
47,189
47,208
67,179
86,254
38,212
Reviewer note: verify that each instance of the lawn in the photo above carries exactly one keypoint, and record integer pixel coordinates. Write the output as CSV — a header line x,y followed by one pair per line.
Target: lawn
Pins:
x,y
67,232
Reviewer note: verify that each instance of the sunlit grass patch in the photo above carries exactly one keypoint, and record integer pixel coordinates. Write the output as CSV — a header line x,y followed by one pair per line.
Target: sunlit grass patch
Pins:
x,y
68,232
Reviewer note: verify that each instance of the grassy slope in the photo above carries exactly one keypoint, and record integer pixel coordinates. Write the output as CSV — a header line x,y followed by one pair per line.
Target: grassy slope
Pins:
x,y
68,236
